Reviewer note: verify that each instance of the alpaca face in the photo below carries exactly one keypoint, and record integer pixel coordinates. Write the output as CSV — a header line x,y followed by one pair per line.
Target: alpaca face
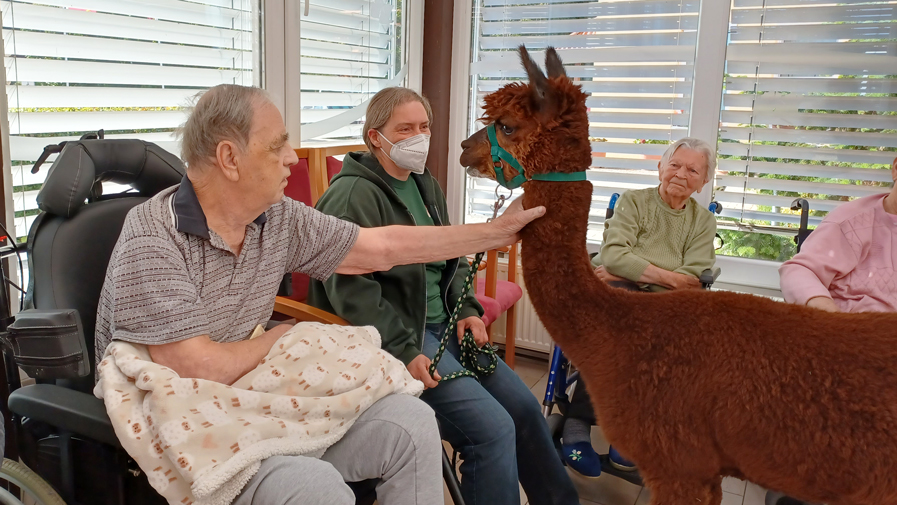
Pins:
x,y
543,124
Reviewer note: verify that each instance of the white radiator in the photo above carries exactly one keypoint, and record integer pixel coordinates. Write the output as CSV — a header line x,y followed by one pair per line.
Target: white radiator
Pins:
x,y
530,333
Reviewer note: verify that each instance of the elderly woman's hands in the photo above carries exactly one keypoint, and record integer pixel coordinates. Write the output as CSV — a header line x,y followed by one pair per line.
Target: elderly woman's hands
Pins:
x,y
655,275
606,276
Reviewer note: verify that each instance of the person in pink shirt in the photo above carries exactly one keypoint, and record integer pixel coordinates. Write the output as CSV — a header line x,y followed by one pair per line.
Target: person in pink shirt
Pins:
x,y
849,263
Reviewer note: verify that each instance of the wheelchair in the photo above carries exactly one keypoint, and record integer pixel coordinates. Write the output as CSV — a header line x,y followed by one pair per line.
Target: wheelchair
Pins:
x,y
57,427
563,377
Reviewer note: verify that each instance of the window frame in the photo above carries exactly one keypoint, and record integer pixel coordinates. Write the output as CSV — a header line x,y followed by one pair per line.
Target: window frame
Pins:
x,y
738,274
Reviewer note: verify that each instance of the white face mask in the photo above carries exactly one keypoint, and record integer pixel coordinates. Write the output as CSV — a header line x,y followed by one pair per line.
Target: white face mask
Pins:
x,y
411,153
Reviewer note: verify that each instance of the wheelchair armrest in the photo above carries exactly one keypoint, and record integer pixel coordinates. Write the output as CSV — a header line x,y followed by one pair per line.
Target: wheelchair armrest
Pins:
x,y
709,276
67,409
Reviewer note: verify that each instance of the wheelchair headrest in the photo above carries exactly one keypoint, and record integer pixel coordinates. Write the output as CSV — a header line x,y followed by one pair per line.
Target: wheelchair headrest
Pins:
x,y
83,164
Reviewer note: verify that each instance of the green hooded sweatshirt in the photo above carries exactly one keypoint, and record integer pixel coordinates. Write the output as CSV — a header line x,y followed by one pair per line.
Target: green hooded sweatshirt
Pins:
x,y
395,301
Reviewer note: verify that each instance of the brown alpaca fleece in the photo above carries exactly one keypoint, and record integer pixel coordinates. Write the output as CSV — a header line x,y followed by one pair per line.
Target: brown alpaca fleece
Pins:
x,y
695,385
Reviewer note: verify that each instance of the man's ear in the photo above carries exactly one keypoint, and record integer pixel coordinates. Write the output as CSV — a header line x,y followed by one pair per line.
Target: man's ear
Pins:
x,y
894,169
228,155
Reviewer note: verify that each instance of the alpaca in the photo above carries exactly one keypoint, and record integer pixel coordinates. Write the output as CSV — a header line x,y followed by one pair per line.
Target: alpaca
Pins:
x,y
694,385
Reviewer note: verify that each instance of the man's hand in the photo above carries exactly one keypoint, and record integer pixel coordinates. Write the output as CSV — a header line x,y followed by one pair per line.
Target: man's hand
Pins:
x,y
477,327
606,276
823,303
514,218
419,368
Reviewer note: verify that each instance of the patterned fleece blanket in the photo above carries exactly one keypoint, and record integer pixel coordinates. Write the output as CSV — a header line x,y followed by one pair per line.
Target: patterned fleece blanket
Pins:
x,y
200,441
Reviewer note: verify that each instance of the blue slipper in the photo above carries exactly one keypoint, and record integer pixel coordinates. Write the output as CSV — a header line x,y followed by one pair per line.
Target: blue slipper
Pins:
x,y
619,462
582,458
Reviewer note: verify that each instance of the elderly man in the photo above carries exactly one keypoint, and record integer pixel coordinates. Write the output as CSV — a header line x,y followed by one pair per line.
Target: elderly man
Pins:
x,y
197,267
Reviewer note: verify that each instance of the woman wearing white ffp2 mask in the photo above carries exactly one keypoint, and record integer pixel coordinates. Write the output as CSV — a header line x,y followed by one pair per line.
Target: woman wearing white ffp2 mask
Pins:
x,y
410,305
410,153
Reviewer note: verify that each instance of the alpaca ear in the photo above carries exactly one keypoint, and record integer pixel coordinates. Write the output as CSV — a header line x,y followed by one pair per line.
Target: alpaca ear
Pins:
x,y
543,99
537,80
553,64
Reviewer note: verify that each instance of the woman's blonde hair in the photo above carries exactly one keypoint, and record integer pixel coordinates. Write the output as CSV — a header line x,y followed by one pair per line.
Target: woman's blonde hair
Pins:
x,y
384,103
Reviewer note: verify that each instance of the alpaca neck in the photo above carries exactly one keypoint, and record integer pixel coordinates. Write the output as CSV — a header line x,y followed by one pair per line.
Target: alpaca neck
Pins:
x,y
556,268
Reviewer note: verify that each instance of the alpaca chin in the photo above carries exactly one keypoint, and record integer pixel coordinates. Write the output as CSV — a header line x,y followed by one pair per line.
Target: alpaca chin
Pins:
x,y
473,172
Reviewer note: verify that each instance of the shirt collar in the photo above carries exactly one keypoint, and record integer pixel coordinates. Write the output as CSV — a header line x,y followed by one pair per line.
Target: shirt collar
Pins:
x,y
188,214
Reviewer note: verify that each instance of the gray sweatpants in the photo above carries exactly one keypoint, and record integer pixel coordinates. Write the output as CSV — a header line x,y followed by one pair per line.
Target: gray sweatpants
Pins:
x,y
394,440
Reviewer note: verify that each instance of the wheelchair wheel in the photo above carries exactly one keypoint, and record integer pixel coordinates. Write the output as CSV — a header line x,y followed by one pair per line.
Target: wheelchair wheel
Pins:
x,y
33,488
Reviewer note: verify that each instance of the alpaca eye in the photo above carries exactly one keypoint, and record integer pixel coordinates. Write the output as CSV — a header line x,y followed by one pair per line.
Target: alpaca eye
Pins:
x,y
507,130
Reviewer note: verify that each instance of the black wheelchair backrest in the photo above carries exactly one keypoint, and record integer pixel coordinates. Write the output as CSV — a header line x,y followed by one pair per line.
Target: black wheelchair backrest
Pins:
x,y
71,241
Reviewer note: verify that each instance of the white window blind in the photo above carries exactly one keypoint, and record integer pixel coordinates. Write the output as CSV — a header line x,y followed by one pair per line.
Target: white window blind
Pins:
x,y
635,58
351,49
809,108
125,66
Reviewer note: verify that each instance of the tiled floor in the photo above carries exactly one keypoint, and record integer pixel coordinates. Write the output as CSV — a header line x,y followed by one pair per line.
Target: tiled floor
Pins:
x,y
609,490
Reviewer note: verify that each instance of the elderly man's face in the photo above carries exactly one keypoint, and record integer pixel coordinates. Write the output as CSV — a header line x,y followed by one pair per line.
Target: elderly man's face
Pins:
x,y
684,173
268,156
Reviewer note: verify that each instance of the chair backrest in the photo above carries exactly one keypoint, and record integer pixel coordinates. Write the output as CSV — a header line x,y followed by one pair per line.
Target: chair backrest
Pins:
x,y
71,241
714,207
333,167
299,188
299,183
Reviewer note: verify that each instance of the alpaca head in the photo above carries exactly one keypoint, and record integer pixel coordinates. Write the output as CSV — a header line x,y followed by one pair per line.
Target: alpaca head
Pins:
x,y
544,124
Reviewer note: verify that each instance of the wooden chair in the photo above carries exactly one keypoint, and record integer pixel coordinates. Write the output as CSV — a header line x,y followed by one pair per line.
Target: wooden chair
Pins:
x,y
308,180
500,296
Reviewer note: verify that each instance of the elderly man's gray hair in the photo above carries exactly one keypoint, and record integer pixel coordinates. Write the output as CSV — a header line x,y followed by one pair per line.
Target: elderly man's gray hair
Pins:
x,y
697,145
223,112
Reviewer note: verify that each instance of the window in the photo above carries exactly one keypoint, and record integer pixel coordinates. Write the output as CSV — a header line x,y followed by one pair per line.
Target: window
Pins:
x,y
808,111
350,50
634,57
128,67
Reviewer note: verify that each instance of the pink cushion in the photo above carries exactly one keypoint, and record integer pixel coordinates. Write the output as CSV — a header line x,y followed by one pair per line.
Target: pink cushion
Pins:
x,y
491,309
506,293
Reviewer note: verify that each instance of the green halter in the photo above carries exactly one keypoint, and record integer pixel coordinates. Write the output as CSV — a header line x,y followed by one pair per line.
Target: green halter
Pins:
x,y
499,154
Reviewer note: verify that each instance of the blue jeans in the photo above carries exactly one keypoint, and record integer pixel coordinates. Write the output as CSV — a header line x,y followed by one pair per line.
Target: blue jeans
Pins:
x,y
497,427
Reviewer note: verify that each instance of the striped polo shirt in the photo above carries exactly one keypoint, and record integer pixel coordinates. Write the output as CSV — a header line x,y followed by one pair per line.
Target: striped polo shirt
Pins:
x,y
171,278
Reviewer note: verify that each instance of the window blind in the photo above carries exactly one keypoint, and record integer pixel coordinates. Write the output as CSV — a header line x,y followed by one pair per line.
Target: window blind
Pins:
x,y
808,108
125,66
350,50
635,58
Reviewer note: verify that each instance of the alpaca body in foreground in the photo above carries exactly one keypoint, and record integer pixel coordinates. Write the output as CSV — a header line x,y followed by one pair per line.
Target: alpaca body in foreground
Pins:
x,y
696,385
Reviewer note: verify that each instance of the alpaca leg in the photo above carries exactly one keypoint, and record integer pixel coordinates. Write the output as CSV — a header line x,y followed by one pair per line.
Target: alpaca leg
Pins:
x,y
684,492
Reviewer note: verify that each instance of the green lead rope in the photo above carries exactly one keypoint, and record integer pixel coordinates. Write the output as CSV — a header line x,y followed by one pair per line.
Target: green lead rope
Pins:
x,y
469,349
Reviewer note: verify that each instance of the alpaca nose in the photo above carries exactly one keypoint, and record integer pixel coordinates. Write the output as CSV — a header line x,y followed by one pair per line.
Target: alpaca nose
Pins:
x,y
467,143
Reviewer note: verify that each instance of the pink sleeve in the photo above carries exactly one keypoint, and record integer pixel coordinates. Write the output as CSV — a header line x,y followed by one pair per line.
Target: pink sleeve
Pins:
x,y
826,255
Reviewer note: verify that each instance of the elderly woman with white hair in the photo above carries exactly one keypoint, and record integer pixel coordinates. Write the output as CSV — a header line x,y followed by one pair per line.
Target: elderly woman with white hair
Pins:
x,y
659,239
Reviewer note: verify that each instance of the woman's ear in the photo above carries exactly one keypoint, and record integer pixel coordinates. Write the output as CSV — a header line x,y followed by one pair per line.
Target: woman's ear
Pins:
x,y
894,169
374,135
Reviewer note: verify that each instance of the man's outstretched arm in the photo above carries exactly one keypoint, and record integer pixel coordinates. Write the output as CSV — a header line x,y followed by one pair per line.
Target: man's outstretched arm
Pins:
x,y
379,249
